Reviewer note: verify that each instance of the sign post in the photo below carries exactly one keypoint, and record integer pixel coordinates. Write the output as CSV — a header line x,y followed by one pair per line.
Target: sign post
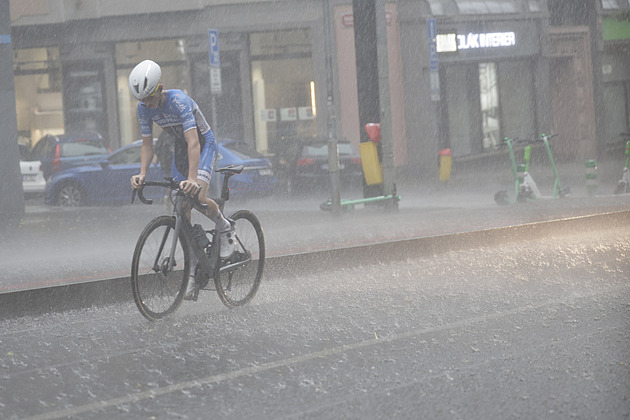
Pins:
x,y
434,75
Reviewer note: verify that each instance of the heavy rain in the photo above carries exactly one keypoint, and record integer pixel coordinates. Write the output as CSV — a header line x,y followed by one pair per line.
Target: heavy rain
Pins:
x,y
442,189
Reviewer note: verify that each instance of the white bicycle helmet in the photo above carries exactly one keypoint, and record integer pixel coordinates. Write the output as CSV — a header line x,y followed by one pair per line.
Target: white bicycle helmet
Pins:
x,y
144,79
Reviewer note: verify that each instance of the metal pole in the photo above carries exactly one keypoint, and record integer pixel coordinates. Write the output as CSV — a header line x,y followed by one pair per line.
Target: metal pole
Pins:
x,y
384,100
333,155
11,192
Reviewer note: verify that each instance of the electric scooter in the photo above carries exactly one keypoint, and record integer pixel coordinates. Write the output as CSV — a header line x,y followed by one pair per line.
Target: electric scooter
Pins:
x,y
525,188
623,186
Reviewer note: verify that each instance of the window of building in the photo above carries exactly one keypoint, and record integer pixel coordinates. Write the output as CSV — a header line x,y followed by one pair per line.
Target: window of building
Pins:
x,y
488,6
283,89
517,98
610,4
170,55
481,7
616,110
489,101
38,93
477,115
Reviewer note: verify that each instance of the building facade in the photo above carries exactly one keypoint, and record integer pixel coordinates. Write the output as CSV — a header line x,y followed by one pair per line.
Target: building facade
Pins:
x,y
499,68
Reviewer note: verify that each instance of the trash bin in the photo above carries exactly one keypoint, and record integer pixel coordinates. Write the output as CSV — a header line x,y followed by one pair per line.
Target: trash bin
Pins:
x,y
446,157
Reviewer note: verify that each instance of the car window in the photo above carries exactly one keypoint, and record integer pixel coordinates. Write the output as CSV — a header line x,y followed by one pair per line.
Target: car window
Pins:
x,y
23,151
345,149
320,150
239,154
41,149
126,156
315,150
243,150
82,149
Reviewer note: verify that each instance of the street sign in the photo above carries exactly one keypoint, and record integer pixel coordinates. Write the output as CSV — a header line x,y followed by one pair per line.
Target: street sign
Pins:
x,y
213,46
215,80
432,44
215,62
431,28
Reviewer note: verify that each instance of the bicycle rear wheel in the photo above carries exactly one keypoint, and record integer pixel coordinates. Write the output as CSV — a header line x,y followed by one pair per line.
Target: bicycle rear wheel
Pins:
x,y
157,290
238,280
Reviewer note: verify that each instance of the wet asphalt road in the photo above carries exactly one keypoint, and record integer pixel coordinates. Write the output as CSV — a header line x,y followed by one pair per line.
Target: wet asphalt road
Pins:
x,y
55,246
535,329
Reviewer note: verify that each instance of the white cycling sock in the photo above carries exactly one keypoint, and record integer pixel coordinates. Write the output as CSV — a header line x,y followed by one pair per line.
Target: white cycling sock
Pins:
x,y
193,262
221,223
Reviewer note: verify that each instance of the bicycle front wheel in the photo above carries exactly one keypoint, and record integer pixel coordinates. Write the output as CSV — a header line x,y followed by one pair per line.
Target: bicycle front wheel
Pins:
x,y
238,280
158,276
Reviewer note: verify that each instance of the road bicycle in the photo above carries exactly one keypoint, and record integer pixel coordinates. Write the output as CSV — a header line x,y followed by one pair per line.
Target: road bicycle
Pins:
x,y
623,186
162,262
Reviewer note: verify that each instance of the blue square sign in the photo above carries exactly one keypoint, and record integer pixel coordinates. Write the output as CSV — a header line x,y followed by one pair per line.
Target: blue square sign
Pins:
x,y
213,47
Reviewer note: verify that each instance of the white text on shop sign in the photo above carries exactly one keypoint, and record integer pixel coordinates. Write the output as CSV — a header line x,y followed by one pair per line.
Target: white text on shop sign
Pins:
x,y
446,42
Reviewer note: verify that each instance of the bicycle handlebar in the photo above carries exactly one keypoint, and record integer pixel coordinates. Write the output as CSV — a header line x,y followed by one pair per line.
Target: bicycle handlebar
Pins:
x,y
227,172
168,183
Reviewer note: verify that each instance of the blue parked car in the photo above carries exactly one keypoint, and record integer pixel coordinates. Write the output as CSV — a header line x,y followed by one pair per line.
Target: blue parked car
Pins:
x,y
64,151
107,182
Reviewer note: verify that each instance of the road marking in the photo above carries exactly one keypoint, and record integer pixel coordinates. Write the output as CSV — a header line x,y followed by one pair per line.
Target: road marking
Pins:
x,y
252,370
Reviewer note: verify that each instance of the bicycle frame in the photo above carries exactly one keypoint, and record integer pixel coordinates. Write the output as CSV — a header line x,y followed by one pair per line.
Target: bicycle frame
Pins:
x,y
183,225
206,266
235,287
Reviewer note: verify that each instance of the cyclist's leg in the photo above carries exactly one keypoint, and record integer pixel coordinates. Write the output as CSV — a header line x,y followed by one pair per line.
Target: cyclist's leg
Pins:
x,y
191,288
204,175
207,160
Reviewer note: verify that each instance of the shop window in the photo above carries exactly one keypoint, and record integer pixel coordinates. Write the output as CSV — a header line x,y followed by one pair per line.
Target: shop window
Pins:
x,y
615,111
489,101
38,93
610,4
170,55
283,87
484,102
516,97
461,100
534,6
488,6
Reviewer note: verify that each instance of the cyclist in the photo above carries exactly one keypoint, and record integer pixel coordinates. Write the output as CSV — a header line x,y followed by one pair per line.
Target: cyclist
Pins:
x,y
195,148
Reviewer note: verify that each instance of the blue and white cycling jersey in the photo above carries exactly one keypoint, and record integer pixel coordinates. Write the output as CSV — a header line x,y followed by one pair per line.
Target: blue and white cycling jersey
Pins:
x,y
178,114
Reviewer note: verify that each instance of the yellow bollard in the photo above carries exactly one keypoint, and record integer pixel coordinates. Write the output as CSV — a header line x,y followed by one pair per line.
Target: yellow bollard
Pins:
x,y
370,162
446,157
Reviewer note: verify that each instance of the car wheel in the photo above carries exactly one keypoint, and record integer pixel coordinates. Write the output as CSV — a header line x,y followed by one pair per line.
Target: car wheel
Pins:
x,y
69,195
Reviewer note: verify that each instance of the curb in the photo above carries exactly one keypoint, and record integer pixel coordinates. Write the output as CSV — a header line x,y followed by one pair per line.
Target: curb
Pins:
x,y
116,290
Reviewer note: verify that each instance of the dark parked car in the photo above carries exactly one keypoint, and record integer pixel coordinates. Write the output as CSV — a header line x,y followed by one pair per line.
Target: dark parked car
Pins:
x,y
64,151
257,179
311,168
107,182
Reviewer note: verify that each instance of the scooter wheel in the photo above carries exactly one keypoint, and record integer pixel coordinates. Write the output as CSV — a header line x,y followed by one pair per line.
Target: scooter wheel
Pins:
x,y
621,188
501,198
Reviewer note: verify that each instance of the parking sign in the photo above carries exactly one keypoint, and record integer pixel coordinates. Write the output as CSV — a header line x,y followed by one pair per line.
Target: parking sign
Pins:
x,y
213,46
215,62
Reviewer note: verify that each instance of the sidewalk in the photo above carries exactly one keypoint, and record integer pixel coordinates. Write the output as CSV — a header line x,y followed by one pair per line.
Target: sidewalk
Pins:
x,y
55,246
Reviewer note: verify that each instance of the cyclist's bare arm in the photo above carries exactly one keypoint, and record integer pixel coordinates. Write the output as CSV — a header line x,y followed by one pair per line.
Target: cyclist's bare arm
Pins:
x,y
146,155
